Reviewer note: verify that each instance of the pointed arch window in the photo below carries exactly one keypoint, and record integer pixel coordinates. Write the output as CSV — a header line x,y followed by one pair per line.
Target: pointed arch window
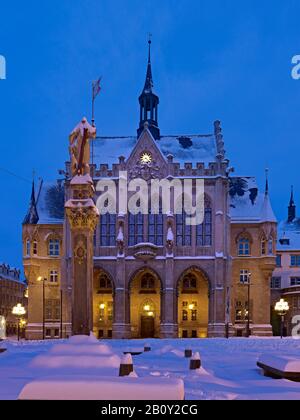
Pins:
x,y
270,246
105,282
108,229
35,248
27,248
263,246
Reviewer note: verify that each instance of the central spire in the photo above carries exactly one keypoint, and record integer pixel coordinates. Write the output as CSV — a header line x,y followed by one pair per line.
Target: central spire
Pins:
x,y
149,101
149,80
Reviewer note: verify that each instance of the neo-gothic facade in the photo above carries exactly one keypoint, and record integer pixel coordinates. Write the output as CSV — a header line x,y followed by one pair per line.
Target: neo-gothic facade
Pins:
x,y
154,275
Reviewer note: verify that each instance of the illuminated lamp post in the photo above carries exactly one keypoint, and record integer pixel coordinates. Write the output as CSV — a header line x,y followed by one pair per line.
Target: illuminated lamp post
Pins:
x,y
282,308
18,311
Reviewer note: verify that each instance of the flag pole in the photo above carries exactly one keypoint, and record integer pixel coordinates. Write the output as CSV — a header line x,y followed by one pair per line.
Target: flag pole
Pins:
x,y
93,119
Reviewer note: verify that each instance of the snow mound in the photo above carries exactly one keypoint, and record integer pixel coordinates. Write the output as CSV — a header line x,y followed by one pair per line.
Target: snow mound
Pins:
x,y
104,389
282,363
96,349
78,362
83,339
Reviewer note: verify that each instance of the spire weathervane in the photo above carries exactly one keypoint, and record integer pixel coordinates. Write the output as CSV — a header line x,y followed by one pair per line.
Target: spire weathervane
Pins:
x,y
149,42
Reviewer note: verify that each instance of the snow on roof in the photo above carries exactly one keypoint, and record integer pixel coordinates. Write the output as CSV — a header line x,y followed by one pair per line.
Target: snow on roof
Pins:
x,y
50,203
247,204
185,149
288,238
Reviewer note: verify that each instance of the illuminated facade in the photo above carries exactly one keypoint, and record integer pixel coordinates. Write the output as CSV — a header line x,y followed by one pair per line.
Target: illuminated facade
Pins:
x,y
153,274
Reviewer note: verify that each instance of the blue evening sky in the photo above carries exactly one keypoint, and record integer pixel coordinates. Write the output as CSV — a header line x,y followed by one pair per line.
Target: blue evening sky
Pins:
x,y
212,59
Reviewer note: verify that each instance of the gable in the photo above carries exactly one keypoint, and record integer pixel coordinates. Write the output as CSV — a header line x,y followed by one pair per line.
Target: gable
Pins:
x,y
156,168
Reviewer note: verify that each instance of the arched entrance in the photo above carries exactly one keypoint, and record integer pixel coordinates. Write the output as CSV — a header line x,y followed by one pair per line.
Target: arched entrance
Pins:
x,y
103,307
193,304
145,302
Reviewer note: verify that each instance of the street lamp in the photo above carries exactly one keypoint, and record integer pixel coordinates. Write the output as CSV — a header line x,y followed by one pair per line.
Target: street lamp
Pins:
x,y
43,280
18,311
282,308
248,282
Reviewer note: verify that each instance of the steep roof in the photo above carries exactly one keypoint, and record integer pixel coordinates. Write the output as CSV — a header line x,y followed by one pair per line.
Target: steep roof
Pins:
x,y
247,203
50,203
185,148
32,216
288,236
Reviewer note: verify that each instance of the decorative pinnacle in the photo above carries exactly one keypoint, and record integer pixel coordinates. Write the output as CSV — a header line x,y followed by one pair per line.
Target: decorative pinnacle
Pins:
x,y
267,181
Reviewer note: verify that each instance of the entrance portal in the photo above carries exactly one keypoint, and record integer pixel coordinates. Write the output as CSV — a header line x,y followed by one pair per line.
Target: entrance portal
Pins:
x,y
145,305
147,327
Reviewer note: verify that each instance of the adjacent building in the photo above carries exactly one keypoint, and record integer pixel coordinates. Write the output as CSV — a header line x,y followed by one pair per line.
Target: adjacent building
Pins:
x,y
12,292
286,277
154,274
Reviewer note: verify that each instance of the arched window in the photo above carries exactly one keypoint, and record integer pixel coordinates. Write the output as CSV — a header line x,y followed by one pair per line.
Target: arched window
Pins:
x,y
27,248
135,229
104,282
204,231
148,282
189,282
108,229
156,229
243,246
35,248
270,246
263,246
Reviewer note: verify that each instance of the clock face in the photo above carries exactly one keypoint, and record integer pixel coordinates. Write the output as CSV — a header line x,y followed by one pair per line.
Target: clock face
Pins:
x,y
146,158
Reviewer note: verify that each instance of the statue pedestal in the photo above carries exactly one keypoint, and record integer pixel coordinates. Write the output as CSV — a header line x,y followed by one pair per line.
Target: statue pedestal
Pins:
x,y
83,216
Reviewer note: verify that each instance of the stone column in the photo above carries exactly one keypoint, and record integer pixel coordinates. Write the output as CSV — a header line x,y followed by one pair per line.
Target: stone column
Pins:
x,y
83,217
169,298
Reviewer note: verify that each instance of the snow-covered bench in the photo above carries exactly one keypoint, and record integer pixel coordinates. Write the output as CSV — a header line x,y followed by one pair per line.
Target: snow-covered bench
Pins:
x,y
280,367
99,389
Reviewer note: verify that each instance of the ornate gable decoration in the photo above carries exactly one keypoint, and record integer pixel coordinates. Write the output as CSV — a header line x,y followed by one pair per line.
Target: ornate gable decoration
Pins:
x,y
146,160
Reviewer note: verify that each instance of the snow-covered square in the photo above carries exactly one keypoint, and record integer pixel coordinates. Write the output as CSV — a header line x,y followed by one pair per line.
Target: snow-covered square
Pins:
x,y
228,372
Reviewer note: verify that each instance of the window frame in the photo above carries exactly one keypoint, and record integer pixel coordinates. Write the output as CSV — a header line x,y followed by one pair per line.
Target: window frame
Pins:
x,y
136,224
244,247
108,230
54,247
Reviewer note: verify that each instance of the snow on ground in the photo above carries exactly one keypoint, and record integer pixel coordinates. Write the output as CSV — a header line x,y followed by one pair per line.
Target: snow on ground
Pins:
x,y
228,370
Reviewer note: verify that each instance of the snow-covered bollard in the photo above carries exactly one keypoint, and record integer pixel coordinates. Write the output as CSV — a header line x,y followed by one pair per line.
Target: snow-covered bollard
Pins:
x,y
195,362
147,347
126,366
188,353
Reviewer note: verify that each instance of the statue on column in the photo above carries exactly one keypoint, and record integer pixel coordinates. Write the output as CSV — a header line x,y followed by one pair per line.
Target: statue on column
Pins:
x,y
80,147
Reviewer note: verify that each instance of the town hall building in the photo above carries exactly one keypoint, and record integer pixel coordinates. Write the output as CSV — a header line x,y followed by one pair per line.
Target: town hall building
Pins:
x,y
153,275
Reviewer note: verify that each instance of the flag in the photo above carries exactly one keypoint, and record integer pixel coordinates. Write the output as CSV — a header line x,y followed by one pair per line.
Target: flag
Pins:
x,y
96,88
